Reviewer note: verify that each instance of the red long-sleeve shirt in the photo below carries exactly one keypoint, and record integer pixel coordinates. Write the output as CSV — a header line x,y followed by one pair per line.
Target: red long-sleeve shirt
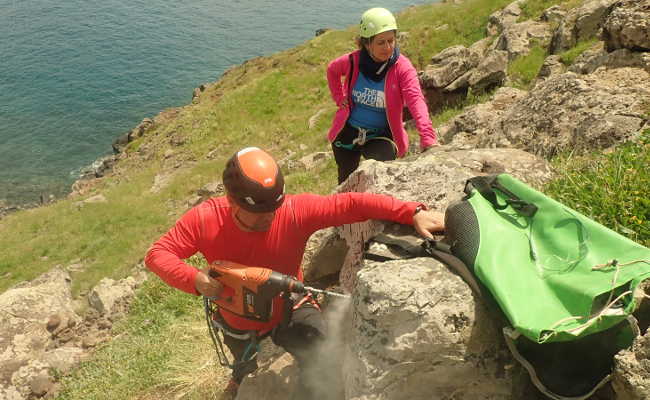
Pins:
x,y
210,229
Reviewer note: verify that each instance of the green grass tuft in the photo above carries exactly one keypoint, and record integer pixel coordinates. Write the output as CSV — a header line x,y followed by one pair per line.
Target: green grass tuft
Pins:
x,y
610,188
449,112
568,57
533,9
523,70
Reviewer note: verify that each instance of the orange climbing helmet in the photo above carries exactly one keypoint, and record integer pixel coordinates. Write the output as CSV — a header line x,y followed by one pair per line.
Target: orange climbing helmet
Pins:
x,y
254,181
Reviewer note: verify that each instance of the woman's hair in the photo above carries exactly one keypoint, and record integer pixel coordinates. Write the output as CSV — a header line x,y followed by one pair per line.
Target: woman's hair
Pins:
x,y
362,42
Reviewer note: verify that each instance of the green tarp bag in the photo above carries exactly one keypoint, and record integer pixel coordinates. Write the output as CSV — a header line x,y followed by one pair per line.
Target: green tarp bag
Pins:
x,y
556,275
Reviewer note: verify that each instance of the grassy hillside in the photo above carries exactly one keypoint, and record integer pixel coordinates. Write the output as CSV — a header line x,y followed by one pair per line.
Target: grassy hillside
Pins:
x,y
162,347
265,102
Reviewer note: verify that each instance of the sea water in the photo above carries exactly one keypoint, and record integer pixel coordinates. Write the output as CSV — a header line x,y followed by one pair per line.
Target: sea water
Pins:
x,y
76,74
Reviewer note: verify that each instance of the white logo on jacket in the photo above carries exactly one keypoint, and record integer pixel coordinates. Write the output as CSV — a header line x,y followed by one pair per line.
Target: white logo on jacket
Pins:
x,y
370,97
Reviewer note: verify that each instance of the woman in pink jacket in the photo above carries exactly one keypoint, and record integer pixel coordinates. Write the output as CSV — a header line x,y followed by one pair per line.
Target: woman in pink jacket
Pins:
x,y
370,86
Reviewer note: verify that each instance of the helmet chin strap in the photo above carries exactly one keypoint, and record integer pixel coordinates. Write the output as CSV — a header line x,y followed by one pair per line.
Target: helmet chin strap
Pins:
x,y
242,223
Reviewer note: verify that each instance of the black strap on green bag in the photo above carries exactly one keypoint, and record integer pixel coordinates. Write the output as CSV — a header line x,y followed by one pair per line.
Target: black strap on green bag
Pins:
x,y
486,185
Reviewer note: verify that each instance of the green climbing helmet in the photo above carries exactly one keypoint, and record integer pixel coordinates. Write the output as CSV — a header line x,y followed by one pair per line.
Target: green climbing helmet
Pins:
x,y
376,21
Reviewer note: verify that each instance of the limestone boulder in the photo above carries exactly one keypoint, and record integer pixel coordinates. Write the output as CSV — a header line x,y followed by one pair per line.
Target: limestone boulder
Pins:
x,y
628,26
552,66
453,71
553,14
310,161
502,19
631,377
33,314
581,23
324,254
418,333
109,294
435,179
598,57
275,379
490,73
464,130
575,112
518,39
447,66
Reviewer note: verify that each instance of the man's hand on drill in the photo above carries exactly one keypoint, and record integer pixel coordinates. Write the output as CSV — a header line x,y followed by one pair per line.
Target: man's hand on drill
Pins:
x,y
427,221
207,286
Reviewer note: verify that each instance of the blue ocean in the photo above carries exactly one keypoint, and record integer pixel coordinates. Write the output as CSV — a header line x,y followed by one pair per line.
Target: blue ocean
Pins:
x,y
76,74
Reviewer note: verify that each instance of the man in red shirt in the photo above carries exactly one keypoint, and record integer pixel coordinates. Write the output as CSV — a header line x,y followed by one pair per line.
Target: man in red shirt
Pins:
x,y
256,224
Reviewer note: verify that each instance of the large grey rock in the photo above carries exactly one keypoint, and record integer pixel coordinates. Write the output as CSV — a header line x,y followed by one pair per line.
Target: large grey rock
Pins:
x,y
275,379
491,72
504,18
552,66
582,23
109,294
553,14
324,254
598,57
453,71
447,66
628,26
631,378
435,179
464,130
575,112
518,39
418,333
280,377
32,314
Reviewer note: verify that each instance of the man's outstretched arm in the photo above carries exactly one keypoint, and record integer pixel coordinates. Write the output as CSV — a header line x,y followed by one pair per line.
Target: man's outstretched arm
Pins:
x,y
317,212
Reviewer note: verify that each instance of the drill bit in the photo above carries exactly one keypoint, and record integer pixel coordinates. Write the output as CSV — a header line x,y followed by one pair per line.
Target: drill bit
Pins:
x,y
327,292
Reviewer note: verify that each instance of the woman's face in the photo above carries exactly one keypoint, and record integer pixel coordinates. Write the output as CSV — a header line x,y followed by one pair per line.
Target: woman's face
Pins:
x,y
381,46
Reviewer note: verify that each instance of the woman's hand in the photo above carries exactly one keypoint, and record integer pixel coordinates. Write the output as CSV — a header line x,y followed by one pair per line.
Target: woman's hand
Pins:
x,y
426,222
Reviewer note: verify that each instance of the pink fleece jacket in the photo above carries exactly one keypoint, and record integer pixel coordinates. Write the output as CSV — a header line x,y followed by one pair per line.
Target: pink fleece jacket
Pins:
x,y
400,87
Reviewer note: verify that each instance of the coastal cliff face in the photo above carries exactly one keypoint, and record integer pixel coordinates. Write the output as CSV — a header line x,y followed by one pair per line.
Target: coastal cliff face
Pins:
x,y
414,329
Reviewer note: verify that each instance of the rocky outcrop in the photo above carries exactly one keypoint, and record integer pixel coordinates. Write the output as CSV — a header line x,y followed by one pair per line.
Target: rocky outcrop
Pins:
x,y
27,330
518,39
552,66
456,70
574,112
120,143
465,130
418,333
628,26
598,57
631,379
580,24
324,254
413,180
502,19
110,297
40,331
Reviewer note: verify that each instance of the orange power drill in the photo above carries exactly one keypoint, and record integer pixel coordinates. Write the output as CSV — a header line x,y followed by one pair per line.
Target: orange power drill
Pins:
x,y
249,291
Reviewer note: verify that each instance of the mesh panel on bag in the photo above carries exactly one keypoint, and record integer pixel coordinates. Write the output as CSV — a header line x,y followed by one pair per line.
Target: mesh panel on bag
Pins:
x,y
462,231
